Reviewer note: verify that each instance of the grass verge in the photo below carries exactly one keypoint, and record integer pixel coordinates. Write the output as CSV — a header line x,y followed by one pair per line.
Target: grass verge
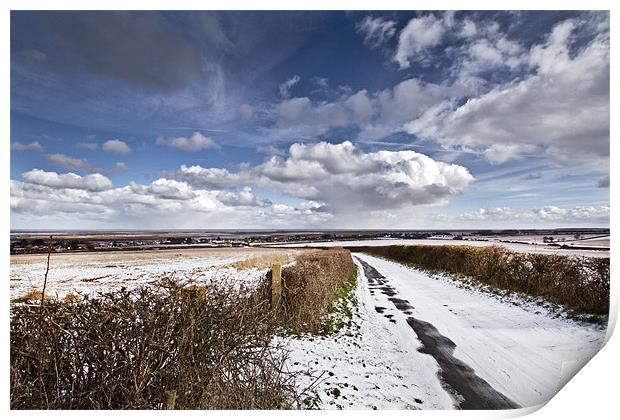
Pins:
x,y
340,311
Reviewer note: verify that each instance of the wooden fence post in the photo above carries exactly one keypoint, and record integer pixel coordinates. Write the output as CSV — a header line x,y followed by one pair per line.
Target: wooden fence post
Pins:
x,y
276,284
170,397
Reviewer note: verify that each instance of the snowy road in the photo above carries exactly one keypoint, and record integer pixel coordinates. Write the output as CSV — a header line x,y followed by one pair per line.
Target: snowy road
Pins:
x,y
487,353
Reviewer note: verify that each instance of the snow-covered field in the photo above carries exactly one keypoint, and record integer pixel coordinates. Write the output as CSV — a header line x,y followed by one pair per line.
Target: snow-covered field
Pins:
x,y
531,248
104,271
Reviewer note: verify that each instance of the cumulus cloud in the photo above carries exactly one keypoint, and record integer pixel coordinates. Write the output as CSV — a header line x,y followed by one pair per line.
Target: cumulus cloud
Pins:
x,y
577,214
194,143
469,29
217,178
245,197
377,114
285,88
322,83
121,166
93,182
165,188
116,146
417,36
344,177
486,54
376,30
555,103
45,199
500,153
560,110
496,213
63,161
35,146
283,214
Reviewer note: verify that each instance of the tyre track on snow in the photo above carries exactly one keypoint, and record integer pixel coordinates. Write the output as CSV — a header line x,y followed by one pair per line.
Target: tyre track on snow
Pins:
x,y
469,391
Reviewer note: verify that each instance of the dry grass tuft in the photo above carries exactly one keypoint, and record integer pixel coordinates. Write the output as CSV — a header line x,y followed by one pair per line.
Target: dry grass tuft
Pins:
x,y
264,261
32,296
71,298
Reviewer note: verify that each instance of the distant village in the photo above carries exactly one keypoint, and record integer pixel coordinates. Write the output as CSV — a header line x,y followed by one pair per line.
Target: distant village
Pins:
x,y
31,243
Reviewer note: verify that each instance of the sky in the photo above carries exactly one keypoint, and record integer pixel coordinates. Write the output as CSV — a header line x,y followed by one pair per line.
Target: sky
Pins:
x,y
372,120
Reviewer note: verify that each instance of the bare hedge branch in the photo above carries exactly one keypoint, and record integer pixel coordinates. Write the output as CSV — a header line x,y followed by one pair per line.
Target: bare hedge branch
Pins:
x,y
125,349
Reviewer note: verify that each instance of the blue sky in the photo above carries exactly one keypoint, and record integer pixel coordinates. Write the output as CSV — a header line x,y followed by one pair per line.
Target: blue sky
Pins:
x,y
309,119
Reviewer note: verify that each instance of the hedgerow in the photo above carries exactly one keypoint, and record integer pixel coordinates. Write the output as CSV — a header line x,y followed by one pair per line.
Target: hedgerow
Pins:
x,y
579,283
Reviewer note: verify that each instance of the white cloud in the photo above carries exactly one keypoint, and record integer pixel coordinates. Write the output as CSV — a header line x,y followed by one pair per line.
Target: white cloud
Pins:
x,y
578,214
68,200
560,110
194,143
93,182
245,197
378,114
344,177
63,161
501,153
489,50
420,34
285,88
165,188
216,178
35,146
322,83
376,30
121,166
360,105
283,214
483,51
469,29
116,146
495,213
